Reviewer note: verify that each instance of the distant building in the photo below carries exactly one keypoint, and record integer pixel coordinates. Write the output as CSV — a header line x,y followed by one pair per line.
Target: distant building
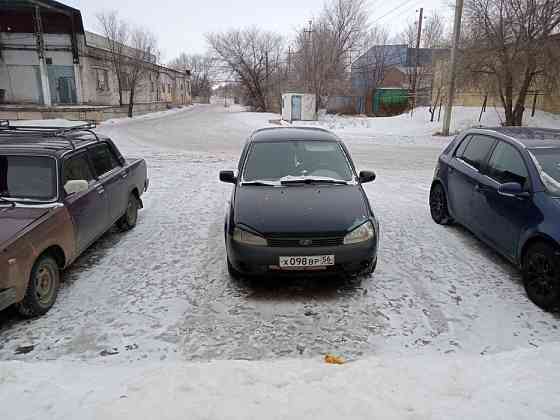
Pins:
x,y
392,66
48,60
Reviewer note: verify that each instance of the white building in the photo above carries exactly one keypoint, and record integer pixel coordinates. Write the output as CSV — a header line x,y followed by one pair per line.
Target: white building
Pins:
x,y
48,60
299,107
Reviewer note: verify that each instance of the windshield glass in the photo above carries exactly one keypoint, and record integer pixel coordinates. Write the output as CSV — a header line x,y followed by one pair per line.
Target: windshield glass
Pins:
x,y
27,178
277,160
548,163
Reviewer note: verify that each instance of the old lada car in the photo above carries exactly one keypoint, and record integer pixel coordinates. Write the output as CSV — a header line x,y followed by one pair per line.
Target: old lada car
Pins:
x,y
60,190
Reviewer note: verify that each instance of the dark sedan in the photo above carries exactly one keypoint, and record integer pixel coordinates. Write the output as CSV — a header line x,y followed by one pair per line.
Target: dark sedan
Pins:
x,y
503,184
298,205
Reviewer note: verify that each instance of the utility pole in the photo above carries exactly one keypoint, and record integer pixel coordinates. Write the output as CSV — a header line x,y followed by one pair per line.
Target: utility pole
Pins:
x,y
453,70
417,57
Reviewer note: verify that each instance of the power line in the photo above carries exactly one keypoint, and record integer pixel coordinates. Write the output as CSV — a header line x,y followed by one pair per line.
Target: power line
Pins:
x,y
392,10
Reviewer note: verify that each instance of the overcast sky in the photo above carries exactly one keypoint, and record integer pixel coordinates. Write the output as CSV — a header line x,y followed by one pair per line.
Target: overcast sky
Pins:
x,y
180,25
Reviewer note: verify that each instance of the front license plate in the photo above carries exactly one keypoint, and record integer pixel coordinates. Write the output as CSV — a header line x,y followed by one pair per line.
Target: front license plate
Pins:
x,y
306,262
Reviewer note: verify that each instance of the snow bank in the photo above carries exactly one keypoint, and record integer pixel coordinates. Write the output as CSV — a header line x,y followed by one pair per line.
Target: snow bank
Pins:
x,y
517,384
148,116
417,128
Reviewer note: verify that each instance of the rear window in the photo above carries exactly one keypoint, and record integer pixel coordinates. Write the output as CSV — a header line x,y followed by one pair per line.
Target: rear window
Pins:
x,y
102,159
28,177
275,160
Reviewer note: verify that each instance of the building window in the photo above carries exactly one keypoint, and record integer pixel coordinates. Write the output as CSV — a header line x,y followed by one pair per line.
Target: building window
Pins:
x,y
169,87
102,77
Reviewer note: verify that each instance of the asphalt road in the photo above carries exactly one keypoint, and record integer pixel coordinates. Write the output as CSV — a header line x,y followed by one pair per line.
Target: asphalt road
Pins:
x,y
162,290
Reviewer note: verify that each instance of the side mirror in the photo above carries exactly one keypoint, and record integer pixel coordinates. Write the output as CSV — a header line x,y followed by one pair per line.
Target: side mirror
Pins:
x,y
512,189
228,176
76,186
366,176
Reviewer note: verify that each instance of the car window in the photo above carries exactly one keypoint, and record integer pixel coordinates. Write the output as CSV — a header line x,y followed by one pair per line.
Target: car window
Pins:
x,y
464,143
275,160
506,165
476,151
103,159
547,161
27,177
77,168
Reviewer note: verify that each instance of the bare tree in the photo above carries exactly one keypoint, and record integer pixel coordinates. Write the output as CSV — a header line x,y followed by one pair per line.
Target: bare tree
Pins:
x,y
117,33
140,62
202,71
251,56
325,47
512,48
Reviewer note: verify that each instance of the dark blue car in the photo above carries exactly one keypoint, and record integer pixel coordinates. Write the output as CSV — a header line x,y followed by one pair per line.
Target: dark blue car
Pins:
x,y
503,184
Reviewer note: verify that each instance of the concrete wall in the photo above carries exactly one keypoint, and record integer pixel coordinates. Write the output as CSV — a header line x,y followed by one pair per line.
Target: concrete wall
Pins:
x,y
83,113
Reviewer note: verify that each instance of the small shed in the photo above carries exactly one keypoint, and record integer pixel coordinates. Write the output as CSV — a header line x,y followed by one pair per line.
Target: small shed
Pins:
x,y
299,107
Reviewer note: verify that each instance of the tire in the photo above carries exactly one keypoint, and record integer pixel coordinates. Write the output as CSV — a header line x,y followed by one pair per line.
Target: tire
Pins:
x,y
232,271
42,288
541,275
438,205
130,217
370,269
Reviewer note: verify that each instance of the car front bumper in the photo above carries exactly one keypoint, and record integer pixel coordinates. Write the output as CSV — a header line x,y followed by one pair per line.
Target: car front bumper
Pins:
x,y
259,260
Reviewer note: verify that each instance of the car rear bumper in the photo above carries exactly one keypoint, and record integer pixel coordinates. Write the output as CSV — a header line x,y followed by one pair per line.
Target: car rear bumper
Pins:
x,y
258,260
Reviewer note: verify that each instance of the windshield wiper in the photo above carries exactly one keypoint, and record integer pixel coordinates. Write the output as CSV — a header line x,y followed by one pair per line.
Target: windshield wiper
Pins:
x,y
260,183
11,203
313,181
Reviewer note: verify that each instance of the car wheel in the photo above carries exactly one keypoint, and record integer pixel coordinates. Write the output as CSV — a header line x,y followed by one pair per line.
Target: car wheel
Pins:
x,y
42,288
369,270
232,271
541,275
129,219
438,205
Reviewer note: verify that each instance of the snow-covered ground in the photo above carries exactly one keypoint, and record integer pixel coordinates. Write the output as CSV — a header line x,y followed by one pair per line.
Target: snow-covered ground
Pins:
x,y
443,328
521,384
416,128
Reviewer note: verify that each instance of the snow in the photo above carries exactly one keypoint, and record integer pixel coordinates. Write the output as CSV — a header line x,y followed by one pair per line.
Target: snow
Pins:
x,y
513,385
443,328
417,128
149,116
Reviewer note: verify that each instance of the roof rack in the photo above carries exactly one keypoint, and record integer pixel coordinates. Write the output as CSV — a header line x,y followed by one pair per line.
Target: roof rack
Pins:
x,y
48,131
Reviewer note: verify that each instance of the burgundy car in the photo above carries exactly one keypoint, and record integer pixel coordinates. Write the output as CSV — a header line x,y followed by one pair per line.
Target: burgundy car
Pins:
x,y
60,190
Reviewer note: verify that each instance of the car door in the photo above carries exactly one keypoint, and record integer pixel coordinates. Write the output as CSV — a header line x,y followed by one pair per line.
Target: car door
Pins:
x,y
89,208
502,218
464,174
111,175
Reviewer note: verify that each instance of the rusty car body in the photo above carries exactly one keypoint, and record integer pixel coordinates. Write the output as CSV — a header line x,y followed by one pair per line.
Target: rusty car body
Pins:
x,y
60,190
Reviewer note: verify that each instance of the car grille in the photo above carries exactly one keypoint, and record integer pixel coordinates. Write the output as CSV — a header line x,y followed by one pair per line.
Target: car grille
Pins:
x,y
304,242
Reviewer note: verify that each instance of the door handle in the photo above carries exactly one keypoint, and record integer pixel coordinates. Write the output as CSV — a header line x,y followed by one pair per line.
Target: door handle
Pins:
x,y
100,190
124,175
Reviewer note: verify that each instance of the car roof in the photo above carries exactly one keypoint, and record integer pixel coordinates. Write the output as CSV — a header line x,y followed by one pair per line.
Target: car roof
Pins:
x,y
274,134
55,146
528,137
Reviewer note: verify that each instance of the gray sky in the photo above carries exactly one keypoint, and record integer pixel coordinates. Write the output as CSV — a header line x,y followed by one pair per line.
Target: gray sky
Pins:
x,y
180,25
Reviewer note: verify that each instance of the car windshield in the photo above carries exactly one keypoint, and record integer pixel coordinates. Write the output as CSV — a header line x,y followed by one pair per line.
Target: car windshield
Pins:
x,y
548,163
27,178
297,160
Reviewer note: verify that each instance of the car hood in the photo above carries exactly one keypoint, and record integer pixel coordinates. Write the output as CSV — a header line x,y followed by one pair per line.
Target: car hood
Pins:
x,y
15,219
301,208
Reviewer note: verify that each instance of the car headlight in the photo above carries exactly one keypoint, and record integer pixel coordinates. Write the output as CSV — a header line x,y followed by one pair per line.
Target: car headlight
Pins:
x,y
362,233
244,237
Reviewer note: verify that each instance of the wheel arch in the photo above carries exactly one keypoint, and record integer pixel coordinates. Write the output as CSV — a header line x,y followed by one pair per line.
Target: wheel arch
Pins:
x,y
536,238
56,252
